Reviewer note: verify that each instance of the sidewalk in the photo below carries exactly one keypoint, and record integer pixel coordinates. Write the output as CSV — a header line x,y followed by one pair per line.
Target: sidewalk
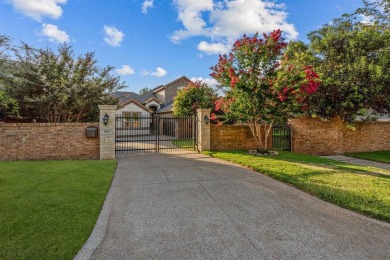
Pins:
x,y
342,158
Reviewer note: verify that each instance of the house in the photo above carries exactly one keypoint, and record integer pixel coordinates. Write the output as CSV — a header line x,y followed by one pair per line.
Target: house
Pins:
x,y
156,101
136,113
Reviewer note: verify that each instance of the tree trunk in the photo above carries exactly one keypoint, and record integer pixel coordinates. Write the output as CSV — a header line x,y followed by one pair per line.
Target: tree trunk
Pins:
x,y
268,128
256,129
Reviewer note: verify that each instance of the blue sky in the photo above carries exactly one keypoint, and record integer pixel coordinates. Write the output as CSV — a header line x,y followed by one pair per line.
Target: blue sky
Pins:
x,y
152,42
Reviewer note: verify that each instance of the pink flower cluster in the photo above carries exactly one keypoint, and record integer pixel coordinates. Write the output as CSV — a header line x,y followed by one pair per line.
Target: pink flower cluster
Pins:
x,y
312,83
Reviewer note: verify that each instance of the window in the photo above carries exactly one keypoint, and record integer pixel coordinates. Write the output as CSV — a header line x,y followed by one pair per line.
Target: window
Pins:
x,y
131,119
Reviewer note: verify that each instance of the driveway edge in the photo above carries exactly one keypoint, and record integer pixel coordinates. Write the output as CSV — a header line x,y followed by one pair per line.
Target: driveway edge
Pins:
x,y
99,229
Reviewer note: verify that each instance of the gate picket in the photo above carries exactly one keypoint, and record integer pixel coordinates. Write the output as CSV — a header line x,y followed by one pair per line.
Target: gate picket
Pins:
x,y
154,133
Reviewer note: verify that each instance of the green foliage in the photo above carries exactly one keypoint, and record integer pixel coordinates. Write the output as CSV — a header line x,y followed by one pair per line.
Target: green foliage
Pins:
x,y
360,188
378,11
353,61
57,86
192,97
8,106
247,75
144,90
261,86
49,208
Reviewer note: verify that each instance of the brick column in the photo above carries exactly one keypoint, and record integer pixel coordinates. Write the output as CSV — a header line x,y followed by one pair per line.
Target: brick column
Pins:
x,y
107,132
203,129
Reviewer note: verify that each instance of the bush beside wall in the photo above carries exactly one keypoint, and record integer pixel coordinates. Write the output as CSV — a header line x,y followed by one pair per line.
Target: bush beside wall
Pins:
x,y
47,141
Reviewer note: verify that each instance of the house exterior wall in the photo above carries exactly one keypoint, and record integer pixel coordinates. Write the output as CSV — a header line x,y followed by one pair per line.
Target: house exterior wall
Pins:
x,y
231,137
47,141
133,126
171,90
132,108
161,95
313,136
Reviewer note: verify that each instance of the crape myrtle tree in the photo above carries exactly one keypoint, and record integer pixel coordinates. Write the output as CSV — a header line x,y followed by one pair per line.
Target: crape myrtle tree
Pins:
x,y
57,86
261,86
192,97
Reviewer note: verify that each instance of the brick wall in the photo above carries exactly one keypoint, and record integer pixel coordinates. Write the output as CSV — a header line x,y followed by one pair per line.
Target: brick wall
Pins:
x,y
171,89
44,141
313,136
229,137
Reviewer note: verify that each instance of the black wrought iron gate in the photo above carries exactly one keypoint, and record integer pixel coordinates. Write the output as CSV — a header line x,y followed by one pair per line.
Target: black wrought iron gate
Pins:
x,y
154,134
281,137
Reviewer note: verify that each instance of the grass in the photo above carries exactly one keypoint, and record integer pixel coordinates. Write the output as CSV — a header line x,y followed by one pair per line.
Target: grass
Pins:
x,y
184,143
49,208
380,156
359,188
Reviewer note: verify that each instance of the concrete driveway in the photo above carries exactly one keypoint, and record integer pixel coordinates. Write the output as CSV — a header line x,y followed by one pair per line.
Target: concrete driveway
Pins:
x,y
190,206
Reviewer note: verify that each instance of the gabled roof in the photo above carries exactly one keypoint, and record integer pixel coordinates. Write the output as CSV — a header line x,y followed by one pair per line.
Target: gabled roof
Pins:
x,y
157,89
167,108
178,79
151,99
124,96
170,83
136,103
146,96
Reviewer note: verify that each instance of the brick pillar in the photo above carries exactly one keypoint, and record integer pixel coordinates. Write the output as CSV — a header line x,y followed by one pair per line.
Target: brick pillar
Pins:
x,y
107,132
203,129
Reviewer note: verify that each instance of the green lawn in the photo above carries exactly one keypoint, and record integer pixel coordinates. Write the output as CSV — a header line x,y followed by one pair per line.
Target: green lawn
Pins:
x,y
184,143
49,208
381,156
359,188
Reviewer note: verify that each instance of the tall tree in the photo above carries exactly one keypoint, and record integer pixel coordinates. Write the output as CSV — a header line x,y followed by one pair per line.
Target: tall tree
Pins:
x,y
353,59
378,11
57,86
8,105
261,87
144,90
195,95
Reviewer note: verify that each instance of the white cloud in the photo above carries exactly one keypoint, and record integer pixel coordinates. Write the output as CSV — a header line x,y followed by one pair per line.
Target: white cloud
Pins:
x,y
366,19
113,36
213,48
250,16
190,14
36,9
147,4
159,72
209,81
224,21
54,34
125,70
